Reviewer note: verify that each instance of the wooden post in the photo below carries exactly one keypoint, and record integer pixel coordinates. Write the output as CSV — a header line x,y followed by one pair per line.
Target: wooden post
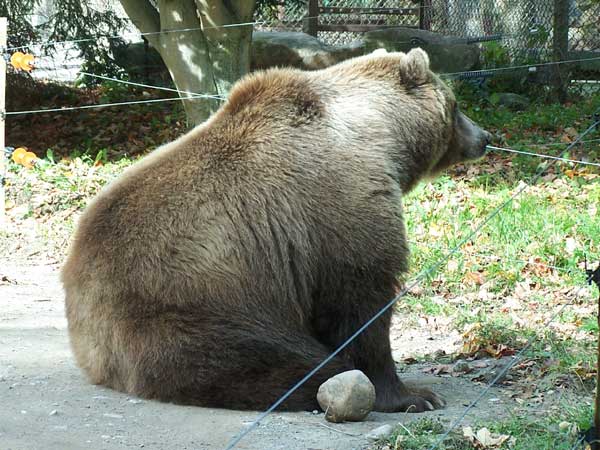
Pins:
x,y
312,19
560,48
3,34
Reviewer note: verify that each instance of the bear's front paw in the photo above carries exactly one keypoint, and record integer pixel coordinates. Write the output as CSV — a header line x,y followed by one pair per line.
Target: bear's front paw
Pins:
x,y
414,401
421,400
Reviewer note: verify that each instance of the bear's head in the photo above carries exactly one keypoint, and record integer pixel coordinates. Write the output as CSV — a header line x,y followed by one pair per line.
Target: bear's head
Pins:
x,y
459,139
430,132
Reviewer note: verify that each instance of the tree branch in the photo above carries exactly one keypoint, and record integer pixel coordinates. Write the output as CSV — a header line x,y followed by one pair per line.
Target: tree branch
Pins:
x,y
144,16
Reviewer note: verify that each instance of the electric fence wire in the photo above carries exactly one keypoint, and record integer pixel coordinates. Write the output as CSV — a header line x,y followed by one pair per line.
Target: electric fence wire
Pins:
x,y
149,86
422,275
133,33
487,72
578,443
540,155
100,105
546,144
197,95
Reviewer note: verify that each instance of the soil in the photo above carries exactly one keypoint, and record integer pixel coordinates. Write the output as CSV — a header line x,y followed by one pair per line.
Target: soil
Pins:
x,y
48,404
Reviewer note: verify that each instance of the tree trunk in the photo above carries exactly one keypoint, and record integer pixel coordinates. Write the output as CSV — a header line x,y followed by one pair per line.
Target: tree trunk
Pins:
x,y
560,47
207,60
230,57
229,46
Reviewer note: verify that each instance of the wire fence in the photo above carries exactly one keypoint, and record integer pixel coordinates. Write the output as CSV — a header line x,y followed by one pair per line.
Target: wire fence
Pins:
x,y
462,18
193,95
420,277
505,32
456,18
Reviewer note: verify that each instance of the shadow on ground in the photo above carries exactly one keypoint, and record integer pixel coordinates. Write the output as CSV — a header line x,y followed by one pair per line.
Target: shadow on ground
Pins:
x,y
47,403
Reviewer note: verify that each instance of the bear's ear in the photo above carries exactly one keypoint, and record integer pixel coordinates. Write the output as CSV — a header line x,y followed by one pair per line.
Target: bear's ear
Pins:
x,y
415,69
379,52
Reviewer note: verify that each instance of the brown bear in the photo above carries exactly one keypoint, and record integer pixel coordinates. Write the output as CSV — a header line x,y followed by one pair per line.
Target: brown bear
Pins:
x,y
226,265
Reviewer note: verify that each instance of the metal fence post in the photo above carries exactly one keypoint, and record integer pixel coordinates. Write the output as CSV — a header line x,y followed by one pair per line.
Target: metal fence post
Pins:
x,y
312,19
425,14
560,48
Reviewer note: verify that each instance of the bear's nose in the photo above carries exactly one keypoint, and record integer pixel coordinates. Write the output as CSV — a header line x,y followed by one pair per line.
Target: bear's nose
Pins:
x,y
487,137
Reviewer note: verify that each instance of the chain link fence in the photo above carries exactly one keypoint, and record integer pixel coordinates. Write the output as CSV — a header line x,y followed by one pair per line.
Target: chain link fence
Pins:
x,y
521,23
291,15
510,31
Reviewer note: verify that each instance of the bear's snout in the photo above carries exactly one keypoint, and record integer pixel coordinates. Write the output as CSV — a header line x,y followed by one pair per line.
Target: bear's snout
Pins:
x,y
470,138
486,139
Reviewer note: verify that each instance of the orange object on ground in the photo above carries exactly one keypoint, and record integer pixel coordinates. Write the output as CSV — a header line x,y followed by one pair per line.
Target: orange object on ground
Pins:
x,y
24,157
29,160
22,61
18,154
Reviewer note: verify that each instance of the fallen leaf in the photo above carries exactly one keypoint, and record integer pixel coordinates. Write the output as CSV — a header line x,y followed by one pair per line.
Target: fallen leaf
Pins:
x,y
484,438
474,278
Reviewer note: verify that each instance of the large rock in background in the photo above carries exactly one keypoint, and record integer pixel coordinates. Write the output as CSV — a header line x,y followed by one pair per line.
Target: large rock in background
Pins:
x,y
300,50
293,49
446,53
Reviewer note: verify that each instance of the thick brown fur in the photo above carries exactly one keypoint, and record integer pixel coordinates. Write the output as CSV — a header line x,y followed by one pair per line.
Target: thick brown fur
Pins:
x,y
226,265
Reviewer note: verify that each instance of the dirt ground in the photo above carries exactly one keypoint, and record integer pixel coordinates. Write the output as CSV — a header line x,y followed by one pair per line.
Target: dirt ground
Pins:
x,y
47,404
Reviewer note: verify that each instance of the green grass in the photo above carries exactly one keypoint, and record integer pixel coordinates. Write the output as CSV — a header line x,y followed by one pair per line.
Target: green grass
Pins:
x,y
548,432
556,226
554,223
52,194
541,128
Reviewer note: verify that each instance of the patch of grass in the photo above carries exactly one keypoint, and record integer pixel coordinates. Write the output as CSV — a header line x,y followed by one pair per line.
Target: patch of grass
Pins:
x,y
421,434
552,223
554,355
548,432
44,202
558,432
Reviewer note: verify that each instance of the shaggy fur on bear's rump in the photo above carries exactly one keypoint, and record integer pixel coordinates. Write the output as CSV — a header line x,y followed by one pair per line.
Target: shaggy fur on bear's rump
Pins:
x,y
226,265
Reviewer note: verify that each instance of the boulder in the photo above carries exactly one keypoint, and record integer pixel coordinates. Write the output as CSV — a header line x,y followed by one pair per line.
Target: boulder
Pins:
x,y
446,53
294,49
511,101
348,396
379,433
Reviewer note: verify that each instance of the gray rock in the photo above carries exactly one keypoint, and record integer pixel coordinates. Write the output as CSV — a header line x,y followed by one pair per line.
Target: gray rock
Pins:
x,y
512,101
348,396
293,49
446,53
381,432
461,366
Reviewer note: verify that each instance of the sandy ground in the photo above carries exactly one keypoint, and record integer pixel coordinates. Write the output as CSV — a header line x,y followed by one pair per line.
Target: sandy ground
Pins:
x,y
47,404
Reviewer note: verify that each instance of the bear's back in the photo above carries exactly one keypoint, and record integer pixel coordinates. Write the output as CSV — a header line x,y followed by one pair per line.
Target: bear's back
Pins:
x,y
264,179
